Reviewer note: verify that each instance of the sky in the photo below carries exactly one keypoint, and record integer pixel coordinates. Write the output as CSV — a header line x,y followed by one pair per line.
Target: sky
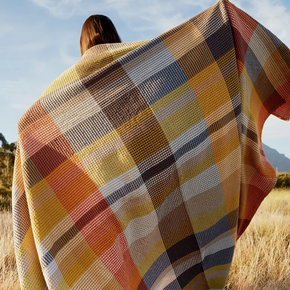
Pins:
x,y
39,39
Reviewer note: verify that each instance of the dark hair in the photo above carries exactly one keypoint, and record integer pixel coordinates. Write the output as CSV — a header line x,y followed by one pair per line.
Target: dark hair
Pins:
x,y
98,29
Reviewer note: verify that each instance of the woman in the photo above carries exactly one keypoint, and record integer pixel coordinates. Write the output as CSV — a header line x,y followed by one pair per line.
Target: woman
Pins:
x,y
98,29
141,165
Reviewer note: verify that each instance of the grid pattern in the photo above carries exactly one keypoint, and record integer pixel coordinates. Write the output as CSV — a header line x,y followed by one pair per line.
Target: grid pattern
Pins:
x,y
142,164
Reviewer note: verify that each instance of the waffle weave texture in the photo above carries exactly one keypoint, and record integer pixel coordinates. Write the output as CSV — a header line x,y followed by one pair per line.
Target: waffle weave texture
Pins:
x,y
142,164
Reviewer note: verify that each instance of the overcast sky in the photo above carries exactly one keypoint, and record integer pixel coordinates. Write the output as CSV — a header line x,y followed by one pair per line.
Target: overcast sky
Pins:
x,y
40,39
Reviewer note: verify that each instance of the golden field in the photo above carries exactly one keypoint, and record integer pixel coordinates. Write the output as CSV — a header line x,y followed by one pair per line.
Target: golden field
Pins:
x,y
261,259
262,254
8,272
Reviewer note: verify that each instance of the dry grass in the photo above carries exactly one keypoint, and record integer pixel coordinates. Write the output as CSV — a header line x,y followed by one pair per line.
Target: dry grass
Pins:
x,y
8,272
262,255
261,260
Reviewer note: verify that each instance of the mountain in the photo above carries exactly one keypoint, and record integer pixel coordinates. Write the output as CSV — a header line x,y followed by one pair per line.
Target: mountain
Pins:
x,y
276,159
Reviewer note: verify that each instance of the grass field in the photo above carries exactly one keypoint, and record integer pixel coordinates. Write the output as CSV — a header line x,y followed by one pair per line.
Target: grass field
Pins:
x,y
8,272
262,254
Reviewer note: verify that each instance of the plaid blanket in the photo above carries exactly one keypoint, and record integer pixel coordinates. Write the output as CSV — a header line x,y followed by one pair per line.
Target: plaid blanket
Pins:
x,y
142,164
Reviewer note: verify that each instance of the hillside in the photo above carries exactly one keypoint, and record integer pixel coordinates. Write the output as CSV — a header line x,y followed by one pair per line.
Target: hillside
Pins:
x,y
7,157
277,159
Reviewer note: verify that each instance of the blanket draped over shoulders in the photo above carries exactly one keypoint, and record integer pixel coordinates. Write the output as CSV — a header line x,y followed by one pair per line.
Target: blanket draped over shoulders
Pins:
x,y
142,164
